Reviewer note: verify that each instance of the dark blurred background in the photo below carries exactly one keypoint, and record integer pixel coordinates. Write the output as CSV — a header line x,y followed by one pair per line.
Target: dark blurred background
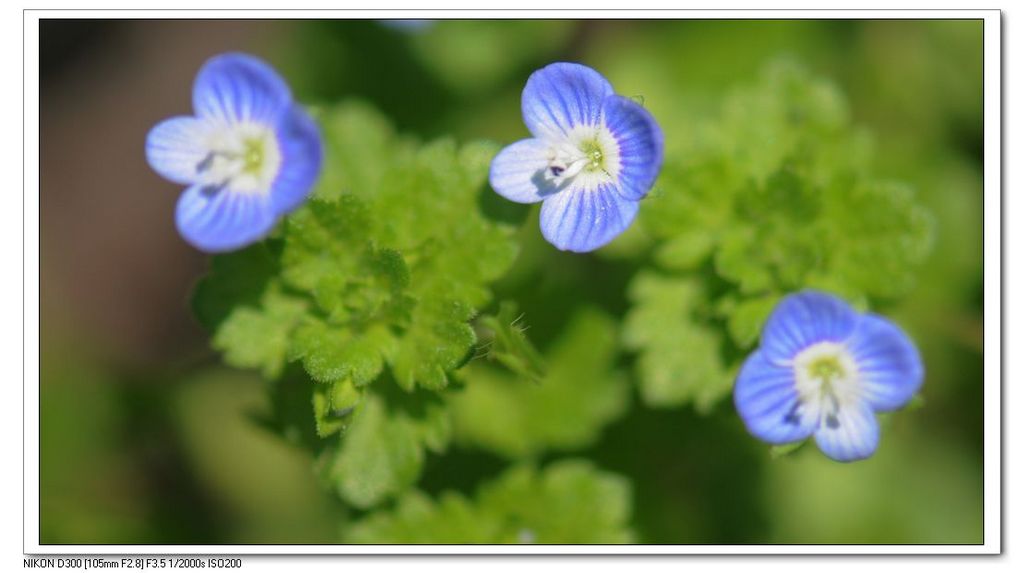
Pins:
x,y
145,439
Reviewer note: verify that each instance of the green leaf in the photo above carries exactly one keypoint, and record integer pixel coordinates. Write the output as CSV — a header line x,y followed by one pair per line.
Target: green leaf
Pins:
x,y
399,265
235,279
258,337
777,191
378,276
569,502
334,406
581,393
773,195
250,313
747,317
894,236
418,519
330,353
361,144
383,449
394,252
680,357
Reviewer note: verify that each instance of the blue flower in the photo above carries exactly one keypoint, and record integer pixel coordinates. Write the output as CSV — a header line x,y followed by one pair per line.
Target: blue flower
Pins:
x,y
248,156
824,369
593,156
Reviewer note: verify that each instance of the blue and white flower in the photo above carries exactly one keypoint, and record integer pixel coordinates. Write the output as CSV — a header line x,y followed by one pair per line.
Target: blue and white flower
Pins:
x,y
823,369
248,156
593,156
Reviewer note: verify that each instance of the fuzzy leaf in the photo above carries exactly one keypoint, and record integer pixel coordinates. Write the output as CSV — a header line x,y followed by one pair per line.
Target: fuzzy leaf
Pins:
x,y
680,357
777,192
384,448
334,406
394,253
378,276
569,502
567,409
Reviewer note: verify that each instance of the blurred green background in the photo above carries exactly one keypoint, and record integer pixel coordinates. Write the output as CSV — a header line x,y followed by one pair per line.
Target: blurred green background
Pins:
x,y
145,438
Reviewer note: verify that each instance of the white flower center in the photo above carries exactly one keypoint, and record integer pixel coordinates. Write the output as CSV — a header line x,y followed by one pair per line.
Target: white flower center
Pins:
x,y
827,380
589,157
243,157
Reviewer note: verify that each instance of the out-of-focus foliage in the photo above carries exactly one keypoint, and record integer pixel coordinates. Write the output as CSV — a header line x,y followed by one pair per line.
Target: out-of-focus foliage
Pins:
x,y
515,416
475,59
771,195
566,502
426,357
680,356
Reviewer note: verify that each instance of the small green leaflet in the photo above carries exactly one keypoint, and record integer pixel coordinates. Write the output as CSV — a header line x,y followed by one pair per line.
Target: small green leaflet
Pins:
x,y
569,501
680,356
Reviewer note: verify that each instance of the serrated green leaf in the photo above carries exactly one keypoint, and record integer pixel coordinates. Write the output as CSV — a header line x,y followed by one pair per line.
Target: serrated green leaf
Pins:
x,y
384,447
418,519
326,238
567,409
778,190
248,311
894,235
394,250
259,337
329,353
413,253
438,340
569,502
680,358
378,276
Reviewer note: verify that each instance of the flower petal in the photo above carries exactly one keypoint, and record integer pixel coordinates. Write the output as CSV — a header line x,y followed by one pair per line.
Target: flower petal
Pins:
x,y
517,172
561,96
888,364
175,147
235,88
767,401
301,158
852,434
641,145
216,220
805,318
581,220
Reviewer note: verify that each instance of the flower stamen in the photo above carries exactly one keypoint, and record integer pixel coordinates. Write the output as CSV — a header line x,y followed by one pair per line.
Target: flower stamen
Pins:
x,y
245,158
826,377
585,154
